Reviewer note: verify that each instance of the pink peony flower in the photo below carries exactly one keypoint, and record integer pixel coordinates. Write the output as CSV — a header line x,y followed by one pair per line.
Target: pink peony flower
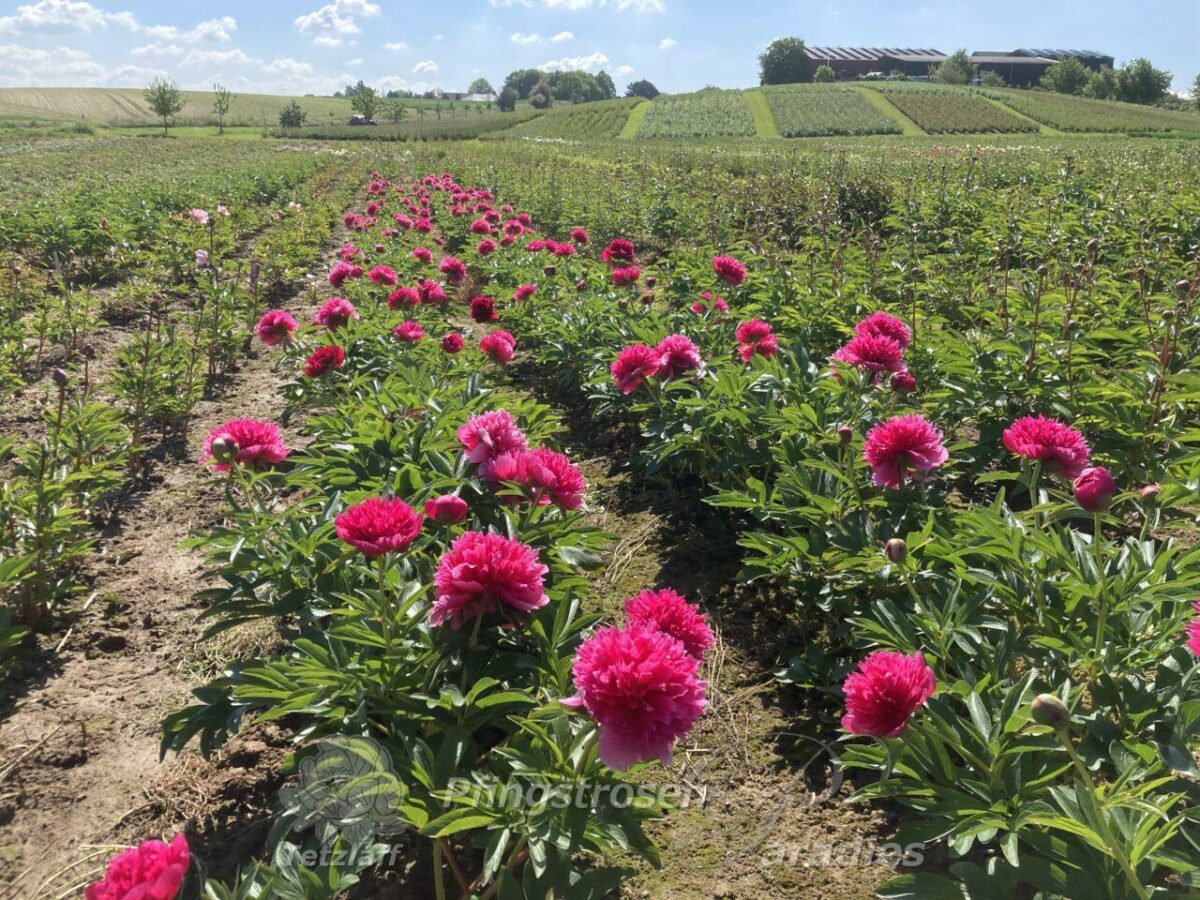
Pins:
x,y
483,309
626,276
453,269
489,436
151,871
641,687
199,216
486,247
341,273
729,270
903,448
379,525
634,365
677,355
408,331
431,292
258,443
550,477
885,690
754,337
1060,448
335,312
580,236
324,359
405,296
903,383
619,250
276,327
384,275
452,342
482,573
422,254
669,612
880,324
1193,630
499,346
874,353
524,292
1094,489
448,509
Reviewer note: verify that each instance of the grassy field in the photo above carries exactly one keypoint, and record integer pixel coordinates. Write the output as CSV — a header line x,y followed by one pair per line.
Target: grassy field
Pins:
x,y
813,110
1081,114
940,110
709,113
587,121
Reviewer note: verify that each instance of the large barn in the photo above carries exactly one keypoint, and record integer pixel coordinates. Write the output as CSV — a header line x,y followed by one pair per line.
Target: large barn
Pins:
x,y
854,62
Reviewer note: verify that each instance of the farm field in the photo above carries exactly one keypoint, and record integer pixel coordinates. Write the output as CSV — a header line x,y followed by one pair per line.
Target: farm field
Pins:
x,y
937,110
824,515
813,110
1081,114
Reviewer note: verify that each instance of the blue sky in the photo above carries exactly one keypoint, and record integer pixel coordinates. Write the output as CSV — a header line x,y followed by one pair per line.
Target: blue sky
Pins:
x,y
311,46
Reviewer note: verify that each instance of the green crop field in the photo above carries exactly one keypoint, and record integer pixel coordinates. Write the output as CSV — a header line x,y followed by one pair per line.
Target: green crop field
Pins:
x,y
811,110
943,110
709,113
586,121
1082,114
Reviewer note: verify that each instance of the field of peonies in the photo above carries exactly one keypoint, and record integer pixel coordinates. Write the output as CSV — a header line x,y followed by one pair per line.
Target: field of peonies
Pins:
x,y
943,422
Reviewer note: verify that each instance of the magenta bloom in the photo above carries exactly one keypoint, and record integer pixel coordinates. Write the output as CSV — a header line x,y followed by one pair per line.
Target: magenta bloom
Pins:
x,y
1193,630
904,448
483,309
641,687
489,436
335,312
343,272
634,365
151,871
408,331
549,476
754,337
448,509
379,525
452,342
384,275
258,443
276,327
422,254
885,690
524,292
484,572
669,612
453,269
626,276
324,359
1094,489
431,292
619,250
880,324
580,236
1060,448
903,382
677,355
874,353
405,296
486,247
499,347
729,270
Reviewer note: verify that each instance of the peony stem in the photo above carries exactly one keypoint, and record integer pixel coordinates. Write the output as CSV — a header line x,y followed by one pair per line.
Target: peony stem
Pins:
x,y
1102,596
439,878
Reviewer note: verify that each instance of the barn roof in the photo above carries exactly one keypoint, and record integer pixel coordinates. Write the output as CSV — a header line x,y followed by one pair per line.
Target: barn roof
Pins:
x,y
870,54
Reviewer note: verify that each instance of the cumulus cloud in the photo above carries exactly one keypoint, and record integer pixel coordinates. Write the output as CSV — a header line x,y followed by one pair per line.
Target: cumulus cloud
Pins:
x,y
655,6
63,15
563,36
232,57
157,49
667,43
593,62
330,24
425,65
519,38
61,66
285,65
219,30
623,70
395,46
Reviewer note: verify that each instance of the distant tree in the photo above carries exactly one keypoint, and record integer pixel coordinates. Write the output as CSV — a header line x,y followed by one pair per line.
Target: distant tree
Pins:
x,y
606,85
480,86
292,116
576,87
523,81
1067,76
222,100
955,69
163,97
783,62
642,88
354,89
824,74
507,100
1140,82
992,79
540,96
1196,92
365,101
1102,84
395,110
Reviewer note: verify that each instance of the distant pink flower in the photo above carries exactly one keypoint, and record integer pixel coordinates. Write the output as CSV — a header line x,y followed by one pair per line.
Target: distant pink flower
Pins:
x,y
379,525
483,573
1094,489
489,436
626,276
884,692
1193,630
258,443
524,292
453,269
405,296
151,871
874,353
903,449
335,313
754,337
408,331
422,254
324,359
903,383
431,292
669,612
641,687
447,509
384,275
199,216
634,365
1060,448
276,327
580,236
343,272
481,226
880,324
486,247
549,476
619,250
499,346
729,270
677,355
483,309
562,250
452,342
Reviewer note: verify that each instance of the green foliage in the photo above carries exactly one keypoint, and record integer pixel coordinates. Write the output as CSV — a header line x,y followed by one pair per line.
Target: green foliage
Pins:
x,y
951,111
480,86
462,125
805,111
1082,114
222,101
507,100
709,113
589,121
1139,82
292,116
1067,76
824,75
366,101
783,62
523,81
540,97
164,99
957,68
1102,84
992,78
641,88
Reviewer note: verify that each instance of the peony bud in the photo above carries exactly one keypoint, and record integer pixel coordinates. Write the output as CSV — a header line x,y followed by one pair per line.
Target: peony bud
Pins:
x,y
1094,489
60,377
1047,709
550,271
896,550
88,351
651,281
224,449
581,284
845,433
1182,287
1149,494
447,509
903,383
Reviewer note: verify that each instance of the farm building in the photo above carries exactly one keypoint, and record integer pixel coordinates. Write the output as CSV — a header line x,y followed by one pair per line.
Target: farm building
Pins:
x,y
1089,58
855,62
1016,68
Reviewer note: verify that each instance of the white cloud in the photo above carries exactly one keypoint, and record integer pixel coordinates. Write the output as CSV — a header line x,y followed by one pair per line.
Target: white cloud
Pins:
x,y
656,6
563,36
22,66
519,38
593,62
354,62
220,30
572,5
64,15
667,43
233,57
510,2
623,70
157,49
330,24
439,37
285,65
425,65
396,46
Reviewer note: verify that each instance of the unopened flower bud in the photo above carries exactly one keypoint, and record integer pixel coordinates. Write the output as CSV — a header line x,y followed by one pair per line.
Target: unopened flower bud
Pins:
x,y
845,433
1042,270
896,550
1182,286
550,271
60,377
651,281
581,285
89,351
647,297
1093,245
1149,493
224,449
622,303
1047,709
